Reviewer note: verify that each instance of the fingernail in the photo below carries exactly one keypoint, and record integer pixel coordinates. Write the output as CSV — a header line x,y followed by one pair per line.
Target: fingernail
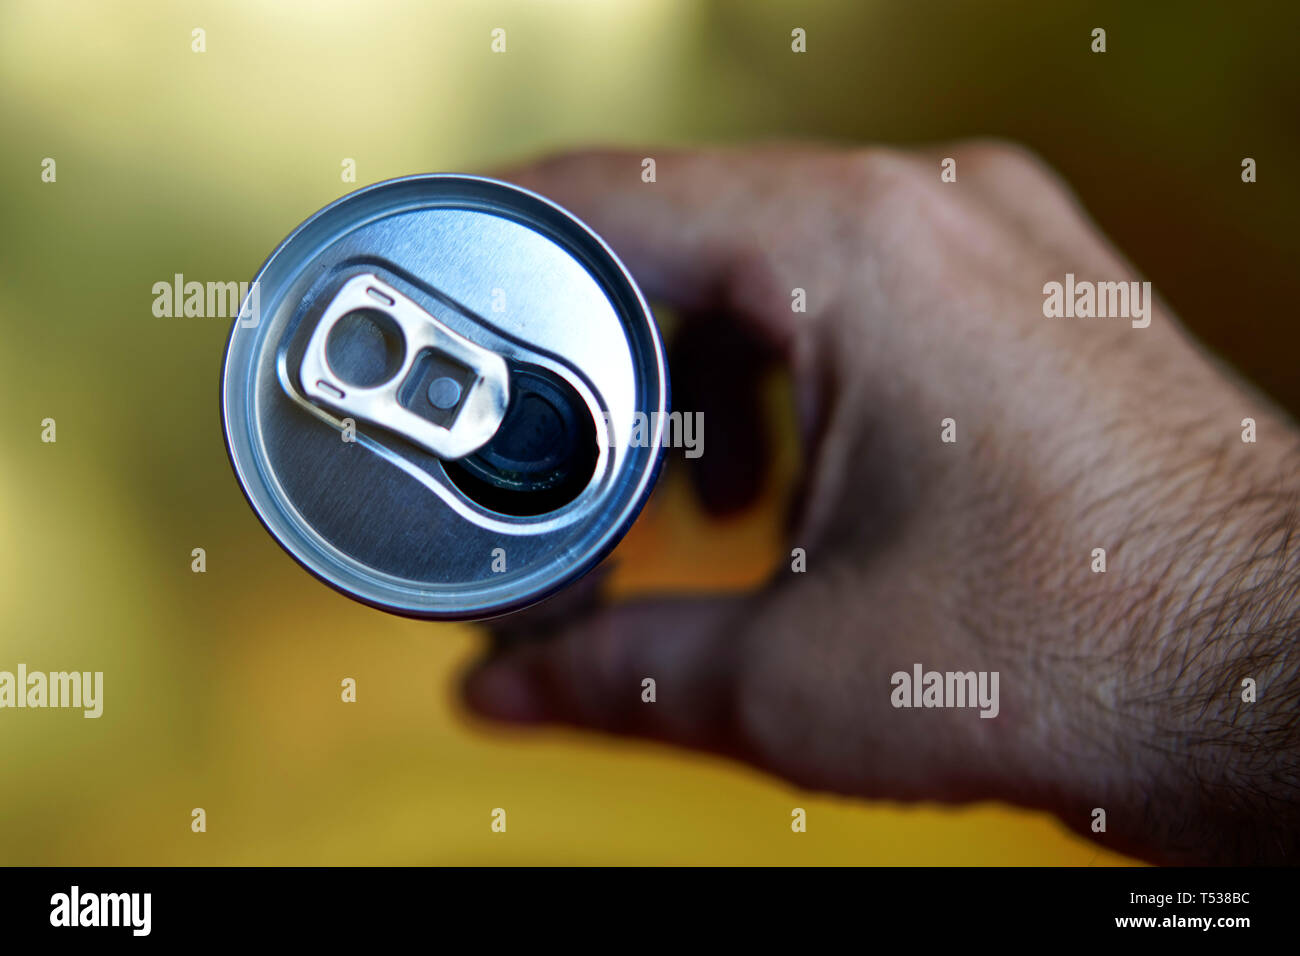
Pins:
x,y
505,692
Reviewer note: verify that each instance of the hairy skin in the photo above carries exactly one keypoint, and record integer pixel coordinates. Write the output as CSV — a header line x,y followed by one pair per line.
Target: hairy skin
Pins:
x,y
1119,690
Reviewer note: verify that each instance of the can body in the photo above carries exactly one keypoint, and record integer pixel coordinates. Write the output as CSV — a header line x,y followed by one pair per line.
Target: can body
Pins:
x,y
445,397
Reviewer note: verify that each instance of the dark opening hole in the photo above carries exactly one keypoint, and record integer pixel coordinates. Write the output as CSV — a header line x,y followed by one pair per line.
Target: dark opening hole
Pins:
x,y
543,454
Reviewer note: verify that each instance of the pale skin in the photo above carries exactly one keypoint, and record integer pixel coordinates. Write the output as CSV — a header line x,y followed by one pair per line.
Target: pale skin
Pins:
x,y
1119,690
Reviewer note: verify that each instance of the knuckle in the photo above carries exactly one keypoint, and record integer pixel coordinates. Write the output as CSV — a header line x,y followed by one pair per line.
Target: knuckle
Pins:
x,y
877,171
886,190
1004,158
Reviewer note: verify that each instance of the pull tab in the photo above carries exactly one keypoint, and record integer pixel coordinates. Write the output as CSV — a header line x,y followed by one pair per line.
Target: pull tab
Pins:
x,y
380,358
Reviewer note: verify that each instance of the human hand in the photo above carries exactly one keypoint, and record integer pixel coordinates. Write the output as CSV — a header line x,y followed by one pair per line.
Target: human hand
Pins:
x,y
925,302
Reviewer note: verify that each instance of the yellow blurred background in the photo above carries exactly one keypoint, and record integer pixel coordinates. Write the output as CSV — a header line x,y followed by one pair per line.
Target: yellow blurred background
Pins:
x,y
222,688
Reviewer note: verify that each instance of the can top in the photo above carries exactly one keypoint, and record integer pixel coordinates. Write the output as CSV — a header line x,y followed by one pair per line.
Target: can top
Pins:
x,y
445,396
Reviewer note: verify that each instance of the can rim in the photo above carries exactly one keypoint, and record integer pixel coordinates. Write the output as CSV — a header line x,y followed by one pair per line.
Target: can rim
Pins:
x,y
610,535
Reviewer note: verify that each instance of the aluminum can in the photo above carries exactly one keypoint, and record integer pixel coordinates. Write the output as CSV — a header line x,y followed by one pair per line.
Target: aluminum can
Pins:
x,y
445,397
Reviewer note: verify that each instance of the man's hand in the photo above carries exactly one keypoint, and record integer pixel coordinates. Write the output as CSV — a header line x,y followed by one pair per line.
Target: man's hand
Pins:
x,y
1119,690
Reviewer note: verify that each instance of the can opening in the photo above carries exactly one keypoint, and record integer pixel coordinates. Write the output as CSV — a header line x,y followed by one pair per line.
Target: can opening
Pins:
x,y
543,454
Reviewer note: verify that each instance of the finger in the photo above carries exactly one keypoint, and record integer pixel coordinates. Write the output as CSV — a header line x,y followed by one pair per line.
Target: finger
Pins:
x,y
595,673
691,238
796,681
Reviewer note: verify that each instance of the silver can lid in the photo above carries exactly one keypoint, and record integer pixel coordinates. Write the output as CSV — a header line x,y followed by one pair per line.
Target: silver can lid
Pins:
x,y
445,396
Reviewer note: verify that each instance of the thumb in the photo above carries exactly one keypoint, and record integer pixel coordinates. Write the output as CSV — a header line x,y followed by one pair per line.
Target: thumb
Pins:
x,y
596,673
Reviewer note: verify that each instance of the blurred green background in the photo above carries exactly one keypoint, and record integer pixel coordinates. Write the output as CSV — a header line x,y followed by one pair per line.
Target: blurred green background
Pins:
x,y
222,689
